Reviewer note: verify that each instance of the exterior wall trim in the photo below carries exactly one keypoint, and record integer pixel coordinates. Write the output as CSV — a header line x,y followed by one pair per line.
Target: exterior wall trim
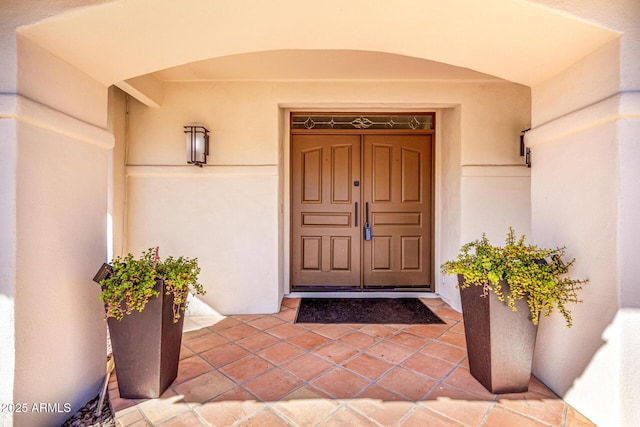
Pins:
x,y
515,171
28,111
188,170
622,105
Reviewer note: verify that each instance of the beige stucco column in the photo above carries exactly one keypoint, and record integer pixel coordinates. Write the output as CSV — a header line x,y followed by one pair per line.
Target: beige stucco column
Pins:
x,y
586,122
53,195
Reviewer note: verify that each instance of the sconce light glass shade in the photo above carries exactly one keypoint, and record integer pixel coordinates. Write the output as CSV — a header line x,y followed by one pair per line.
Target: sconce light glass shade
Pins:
x,y
197,137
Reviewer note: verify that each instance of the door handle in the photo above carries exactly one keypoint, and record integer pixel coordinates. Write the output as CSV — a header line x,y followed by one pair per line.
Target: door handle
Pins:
x,y
367,225
356,215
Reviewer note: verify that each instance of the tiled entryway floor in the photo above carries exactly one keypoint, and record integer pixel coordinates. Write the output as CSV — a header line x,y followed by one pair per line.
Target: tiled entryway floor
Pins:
x,y
265,370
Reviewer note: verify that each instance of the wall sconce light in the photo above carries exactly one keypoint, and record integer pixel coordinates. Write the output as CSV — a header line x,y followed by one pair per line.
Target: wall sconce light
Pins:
x,y
525,151
197,144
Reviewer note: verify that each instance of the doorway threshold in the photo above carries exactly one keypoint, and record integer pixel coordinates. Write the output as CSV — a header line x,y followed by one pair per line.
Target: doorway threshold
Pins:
x,y
359,294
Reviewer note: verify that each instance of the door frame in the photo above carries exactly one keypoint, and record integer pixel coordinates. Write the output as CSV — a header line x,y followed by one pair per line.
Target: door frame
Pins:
x,y
285,176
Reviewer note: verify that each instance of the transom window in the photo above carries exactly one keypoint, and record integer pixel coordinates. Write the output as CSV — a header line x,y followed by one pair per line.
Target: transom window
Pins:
x,y
422,121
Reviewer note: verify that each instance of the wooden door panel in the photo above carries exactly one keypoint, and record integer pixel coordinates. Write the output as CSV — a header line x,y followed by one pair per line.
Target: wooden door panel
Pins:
x,y
381,172
397,187
311,249
410,253
325,242
397,218
341,173
341,253
311,175
411,175
326,219
381,253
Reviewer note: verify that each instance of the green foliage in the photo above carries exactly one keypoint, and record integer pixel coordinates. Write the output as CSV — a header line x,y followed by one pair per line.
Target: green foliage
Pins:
x,y
132,281
539,275
180,276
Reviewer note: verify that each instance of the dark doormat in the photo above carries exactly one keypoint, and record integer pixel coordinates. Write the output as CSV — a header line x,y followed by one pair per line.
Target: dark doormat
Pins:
x,y
365,310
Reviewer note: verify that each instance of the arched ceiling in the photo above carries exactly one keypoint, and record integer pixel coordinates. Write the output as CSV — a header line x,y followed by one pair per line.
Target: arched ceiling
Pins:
x,y
297,64
284,39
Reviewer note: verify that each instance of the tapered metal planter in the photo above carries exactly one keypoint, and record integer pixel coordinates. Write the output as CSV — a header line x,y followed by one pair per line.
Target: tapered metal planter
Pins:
x,y
500,342
146,347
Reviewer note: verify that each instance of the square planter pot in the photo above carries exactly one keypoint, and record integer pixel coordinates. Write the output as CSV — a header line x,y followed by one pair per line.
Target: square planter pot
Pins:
x,y
146,347
500,342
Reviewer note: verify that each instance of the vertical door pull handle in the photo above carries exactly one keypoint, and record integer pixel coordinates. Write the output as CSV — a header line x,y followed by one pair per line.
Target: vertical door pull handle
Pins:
x,y
356,215
367,226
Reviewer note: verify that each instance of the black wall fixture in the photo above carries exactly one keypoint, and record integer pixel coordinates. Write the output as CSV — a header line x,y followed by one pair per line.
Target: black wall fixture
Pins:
x,y
525,151
197,144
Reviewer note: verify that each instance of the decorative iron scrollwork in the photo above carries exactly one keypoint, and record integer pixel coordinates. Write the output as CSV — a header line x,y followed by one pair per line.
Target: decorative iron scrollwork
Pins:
x,y
406,121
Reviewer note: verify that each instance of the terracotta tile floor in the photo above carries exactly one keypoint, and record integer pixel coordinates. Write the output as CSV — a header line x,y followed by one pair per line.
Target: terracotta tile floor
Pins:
x,y
264,370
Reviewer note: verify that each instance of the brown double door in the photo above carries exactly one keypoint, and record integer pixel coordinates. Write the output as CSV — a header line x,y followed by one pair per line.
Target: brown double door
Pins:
x,y
341,183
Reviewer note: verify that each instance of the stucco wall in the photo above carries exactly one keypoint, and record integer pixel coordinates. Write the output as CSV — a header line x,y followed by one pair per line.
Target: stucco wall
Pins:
x,y
494,199
8,153
54,217
53,224
584,196
48,80
232,214
17,13
60,340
